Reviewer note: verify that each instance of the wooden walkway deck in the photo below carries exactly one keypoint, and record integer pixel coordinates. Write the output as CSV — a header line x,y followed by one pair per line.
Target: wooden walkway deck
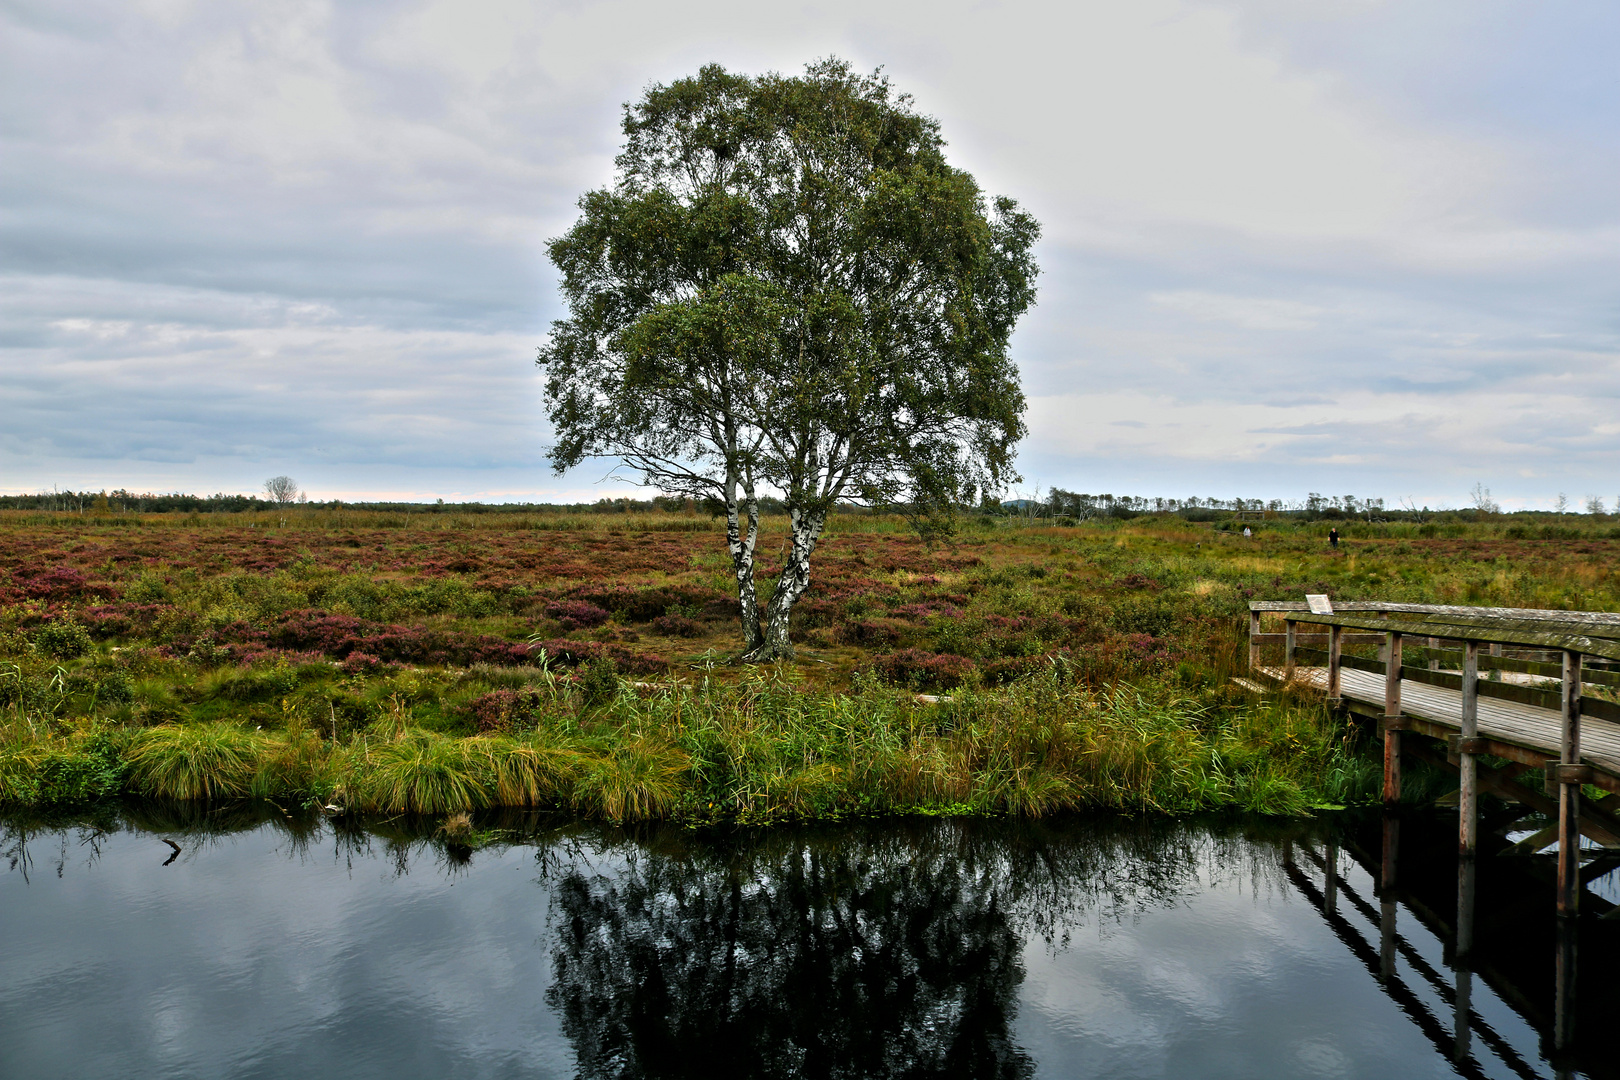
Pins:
x,y
1526,727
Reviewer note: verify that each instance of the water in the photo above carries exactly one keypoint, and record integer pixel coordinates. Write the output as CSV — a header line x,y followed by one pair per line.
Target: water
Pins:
x,y
1076,948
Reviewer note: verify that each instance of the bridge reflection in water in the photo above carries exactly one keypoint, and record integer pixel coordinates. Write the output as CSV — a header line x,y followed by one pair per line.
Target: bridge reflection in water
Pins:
x,y
1409,907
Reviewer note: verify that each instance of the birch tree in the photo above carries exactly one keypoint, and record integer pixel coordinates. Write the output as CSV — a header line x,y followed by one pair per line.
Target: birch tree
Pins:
x,y
788,290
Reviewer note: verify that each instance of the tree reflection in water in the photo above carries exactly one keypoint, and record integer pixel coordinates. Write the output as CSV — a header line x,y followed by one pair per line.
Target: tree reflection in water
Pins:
x,y
863,952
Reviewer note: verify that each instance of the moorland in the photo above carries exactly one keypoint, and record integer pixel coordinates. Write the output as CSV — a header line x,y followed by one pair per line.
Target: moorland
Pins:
x,y
441,663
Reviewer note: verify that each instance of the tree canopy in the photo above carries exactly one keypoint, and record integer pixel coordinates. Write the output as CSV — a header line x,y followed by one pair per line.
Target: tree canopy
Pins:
x,y
789,289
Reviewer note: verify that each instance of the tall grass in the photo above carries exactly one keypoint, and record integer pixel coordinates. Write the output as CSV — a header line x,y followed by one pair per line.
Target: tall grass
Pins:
x,y
196,761
424,774
764,749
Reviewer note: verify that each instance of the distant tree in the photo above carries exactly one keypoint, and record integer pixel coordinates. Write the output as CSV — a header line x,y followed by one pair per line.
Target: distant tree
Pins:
x,y
1561,504
282,490
1481,497
789,289
1594,504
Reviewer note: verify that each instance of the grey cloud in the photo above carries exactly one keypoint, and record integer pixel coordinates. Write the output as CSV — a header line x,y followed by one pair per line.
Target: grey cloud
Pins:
x,y
311,235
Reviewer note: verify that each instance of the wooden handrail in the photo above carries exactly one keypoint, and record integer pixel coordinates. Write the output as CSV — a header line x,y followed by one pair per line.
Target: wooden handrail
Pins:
x,y
1520,632
1608,618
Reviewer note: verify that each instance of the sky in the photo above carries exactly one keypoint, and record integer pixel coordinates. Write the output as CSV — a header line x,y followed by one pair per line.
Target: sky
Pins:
x,y
1344,246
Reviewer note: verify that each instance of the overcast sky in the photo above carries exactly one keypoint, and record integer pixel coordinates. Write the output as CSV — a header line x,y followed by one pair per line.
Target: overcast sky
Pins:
x,y
1349,247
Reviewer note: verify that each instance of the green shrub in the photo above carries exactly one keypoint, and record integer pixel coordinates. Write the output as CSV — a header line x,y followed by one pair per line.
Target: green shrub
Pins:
x,y
599,683
81,773
62,640
115,687
149,588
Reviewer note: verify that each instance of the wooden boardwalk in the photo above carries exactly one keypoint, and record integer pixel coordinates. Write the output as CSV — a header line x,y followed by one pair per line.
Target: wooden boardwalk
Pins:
x,y
1488,730
1526,727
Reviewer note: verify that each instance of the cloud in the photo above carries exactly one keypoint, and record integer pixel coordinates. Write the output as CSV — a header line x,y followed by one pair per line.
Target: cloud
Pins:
x,y
308,237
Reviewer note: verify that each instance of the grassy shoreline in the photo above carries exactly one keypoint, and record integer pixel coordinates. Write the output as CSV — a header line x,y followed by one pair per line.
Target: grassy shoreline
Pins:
x,y
762,749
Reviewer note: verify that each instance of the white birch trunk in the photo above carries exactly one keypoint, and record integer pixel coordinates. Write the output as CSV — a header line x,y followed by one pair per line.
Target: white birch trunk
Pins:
x,y
742,559
806,530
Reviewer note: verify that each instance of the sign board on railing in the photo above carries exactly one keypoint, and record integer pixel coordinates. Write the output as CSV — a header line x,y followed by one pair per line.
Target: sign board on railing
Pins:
x,y
1320,605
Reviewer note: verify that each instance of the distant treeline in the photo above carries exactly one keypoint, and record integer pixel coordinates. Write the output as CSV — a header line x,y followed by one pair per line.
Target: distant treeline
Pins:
x,y
129,502
1065,507
1069,506
1081,507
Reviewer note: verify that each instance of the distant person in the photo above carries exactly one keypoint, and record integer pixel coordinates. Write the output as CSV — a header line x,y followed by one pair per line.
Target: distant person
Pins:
x,y
1333,536
1246,532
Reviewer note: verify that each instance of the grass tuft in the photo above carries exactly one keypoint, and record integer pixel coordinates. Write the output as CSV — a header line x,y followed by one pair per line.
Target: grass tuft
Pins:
x,y
425,774
196,761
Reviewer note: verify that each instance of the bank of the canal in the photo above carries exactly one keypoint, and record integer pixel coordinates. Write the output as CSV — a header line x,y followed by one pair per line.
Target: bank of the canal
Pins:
x,y
766,748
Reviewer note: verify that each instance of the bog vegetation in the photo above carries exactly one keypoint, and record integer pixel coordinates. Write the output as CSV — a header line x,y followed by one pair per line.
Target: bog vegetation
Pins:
x,y
443,663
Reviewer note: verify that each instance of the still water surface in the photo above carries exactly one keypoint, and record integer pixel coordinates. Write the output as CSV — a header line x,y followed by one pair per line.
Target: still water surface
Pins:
x,y
1078,948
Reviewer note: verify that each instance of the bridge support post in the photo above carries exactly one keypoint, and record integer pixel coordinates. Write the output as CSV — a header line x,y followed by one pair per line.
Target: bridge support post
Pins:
x,y
1569,790
1467,767
1386,895
1467,847
1392,712
1335,643
1289,626
1330,878
1462,955
1564,988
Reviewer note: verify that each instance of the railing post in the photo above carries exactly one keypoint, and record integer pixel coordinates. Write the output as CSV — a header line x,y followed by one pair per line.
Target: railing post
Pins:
x,y
1335,644
1288,649
1569,791
1392,714
1254,634
1468,791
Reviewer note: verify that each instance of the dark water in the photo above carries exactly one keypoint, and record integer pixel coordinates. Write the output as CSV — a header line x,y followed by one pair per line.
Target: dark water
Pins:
x,y
1068,949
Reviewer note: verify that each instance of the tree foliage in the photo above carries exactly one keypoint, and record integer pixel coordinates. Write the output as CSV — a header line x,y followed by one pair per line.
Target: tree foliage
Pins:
x,y
789,289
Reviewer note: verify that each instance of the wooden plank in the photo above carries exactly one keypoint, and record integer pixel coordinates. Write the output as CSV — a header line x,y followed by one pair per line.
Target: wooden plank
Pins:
x,y
1600,827
1527,695
1574,642
1320,639
1589,675
1519,729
